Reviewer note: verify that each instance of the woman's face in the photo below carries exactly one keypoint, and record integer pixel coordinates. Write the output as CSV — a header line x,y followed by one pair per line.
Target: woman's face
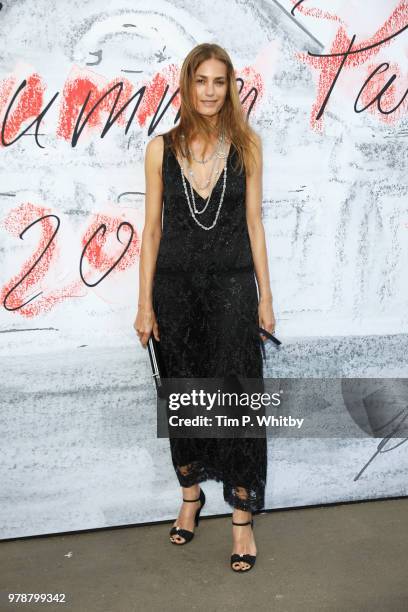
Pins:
x,y
210,87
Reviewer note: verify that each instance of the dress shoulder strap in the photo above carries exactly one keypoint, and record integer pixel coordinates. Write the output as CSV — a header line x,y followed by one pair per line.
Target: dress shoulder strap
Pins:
x,y
166,139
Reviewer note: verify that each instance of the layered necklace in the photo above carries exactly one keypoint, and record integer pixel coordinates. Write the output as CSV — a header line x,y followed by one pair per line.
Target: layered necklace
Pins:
x,y
220,152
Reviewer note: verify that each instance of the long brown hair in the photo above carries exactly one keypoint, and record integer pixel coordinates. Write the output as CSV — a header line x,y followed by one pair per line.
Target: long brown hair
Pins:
x,y
231,119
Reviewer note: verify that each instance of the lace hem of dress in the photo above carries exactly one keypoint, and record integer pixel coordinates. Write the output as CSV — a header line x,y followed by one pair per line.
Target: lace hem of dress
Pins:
x,y
249,498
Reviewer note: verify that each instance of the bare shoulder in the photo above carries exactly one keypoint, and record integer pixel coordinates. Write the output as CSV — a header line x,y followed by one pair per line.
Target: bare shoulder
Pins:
x,y
155,146
154,153
256,152
257,140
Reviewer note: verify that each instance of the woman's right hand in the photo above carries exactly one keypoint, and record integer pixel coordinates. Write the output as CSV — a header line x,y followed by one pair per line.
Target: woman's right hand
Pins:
x,y
144,323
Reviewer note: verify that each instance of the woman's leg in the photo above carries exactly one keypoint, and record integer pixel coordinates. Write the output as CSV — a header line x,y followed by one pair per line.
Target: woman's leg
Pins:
x,y
234,321
243,541
174,308
186,516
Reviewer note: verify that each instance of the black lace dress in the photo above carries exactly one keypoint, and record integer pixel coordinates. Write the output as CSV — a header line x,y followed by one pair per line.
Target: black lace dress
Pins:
x,y
206,303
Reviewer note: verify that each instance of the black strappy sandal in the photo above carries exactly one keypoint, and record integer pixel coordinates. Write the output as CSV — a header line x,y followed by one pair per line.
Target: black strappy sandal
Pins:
x,y
184,533
250,559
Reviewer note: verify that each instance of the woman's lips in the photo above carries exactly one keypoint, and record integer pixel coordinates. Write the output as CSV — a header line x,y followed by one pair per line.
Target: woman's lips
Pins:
x,y
209,103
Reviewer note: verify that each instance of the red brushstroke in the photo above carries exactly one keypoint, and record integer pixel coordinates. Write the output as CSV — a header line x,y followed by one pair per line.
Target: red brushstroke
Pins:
x,y
152,96
7,86
73,97
28,105
100,258
15,222
47,252
105,249
315,12
252,79
389,98
328,66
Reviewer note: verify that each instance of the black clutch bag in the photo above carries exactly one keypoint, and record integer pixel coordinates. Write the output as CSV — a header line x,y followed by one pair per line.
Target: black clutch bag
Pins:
x,y
157,364
270,337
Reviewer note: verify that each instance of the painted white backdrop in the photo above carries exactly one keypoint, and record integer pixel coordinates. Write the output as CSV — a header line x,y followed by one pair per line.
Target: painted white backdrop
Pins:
x,y
78,429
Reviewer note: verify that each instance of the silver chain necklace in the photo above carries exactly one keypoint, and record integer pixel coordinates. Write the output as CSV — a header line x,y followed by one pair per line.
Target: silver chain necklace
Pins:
x,y
217,154
193,208
213,175
205,161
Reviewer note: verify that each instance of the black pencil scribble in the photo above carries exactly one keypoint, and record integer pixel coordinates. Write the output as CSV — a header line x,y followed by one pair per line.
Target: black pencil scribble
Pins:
x,y
125,193
98,55
9,331
384,441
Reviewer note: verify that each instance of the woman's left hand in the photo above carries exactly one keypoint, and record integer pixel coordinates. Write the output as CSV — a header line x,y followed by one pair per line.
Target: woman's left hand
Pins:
x,y
266,316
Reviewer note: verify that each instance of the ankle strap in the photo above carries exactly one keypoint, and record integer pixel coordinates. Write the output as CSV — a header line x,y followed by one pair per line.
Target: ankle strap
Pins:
x,y
247,523
192,500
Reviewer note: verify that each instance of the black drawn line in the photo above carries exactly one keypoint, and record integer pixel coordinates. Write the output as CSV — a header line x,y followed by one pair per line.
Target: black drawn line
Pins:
x,y
292,12
344,55
34,264
111,119
360,49
252,90
36,122
98,230
113,116
384,441
131,71
298,24
8,194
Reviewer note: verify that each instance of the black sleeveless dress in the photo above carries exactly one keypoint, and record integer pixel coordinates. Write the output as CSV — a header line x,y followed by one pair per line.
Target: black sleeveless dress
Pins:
x,y
206,304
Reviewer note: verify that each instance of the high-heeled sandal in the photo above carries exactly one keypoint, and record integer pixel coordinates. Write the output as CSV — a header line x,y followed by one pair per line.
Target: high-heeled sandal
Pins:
x,y
250,559
184,533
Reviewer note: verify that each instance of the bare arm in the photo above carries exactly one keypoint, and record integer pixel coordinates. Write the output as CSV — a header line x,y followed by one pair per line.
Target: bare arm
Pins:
x,y
253,204
256,230
151,236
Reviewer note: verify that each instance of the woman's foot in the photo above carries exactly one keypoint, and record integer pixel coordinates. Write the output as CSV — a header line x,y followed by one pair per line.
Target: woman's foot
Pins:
x,y
243,539
185,519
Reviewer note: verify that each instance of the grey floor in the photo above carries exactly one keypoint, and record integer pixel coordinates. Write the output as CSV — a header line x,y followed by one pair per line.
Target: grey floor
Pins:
x,y
348,557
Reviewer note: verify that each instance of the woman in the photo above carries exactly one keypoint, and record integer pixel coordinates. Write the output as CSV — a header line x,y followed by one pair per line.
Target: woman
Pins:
x,y
197,289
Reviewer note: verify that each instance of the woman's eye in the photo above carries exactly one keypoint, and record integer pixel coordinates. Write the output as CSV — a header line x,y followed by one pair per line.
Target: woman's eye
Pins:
x,y
217,83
